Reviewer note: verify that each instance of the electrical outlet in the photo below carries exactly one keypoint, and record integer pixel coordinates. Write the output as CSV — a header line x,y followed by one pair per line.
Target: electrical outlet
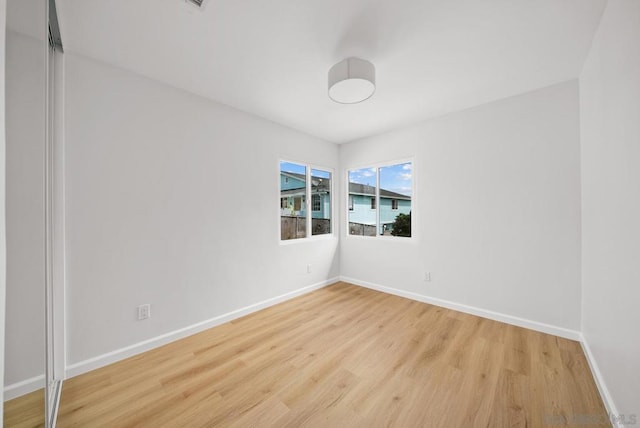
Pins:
x,y
309,268
144,312
427,276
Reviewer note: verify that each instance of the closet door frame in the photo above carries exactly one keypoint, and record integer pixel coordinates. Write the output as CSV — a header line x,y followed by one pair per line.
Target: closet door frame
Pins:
x,y
54,219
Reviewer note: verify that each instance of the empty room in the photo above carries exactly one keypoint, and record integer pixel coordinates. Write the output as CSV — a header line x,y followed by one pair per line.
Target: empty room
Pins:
x,y
347,213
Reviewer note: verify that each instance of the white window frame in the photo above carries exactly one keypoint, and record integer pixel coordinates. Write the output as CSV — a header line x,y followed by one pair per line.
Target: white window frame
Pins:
x,y
308,203
377,166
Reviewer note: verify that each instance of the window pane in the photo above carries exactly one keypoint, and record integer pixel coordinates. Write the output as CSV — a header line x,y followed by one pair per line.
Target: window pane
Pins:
x,y
321,202
316,203
293,195
396,187
362,212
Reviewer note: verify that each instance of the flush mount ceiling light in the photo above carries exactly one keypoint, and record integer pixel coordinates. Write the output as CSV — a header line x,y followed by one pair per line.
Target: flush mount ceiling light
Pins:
x,y
351,81
196,3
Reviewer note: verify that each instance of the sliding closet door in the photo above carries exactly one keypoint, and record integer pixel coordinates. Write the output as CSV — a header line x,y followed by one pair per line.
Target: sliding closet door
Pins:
x,y
26,128
54,238
33,357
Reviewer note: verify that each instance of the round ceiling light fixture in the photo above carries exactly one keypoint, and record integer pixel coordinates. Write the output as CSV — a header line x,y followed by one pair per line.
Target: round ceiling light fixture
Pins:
x,y
351,81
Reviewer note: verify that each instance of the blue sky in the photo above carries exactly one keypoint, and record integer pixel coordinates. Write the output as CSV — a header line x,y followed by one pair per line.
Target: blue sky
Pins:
x,y
292,167
396,178
300,169
320,174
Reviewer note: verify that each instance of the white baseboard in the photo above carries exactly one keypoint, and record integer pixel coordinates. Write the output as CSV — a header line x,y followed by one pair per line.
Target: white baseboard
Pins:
x,y
602,387
496,316
24,387
29,385
138,348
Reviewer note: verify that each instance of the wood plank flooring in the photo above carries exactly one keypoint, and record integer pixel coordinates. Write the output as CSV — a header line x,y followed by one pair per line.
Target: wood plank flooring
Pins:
x,y
25,411
342,356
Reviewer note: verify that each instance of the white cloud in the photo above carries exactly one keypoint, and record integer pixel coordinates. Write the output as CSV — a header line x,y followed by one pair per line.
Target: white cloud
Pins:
x,y
368,173
406,176
407,167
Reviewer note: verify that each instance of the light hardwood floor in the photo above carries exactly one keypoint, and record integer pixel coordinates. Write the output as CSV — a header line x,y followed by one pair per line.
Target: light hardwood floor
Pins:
x,y
26,411
342,356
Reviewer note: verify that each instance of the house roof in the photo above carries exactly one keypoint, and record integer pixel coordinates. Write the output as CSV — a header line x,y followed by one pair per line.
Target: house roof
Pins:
x,y
319,183
365,189
354,188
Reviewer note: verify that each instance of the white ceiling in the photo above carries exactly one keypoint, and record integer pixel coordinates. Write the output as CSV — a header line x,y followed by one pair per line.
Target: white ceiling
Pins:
x,y
271,58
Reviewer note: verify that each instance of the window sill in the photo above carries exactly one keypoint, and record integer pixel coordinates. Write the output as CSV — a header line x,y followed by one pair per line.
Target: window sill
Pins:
x,y
403,239
315,238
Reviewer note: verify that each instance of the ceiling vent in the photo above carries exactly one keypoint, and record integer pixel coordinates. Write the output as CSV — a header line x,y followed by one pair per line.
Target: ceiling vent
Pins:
x,y
197,3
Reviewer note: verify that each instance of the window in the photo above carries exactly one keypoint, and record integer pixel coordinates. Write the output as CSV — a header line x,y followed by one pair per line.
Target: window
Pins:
x,y
380,200
320,202
363,187
296,182
293,187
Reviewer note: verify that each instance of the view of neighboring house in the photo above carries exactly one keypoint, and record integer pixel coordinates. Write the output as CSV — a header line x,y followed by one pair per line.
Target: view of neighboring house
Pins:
x,y
293,204
293,192
362,207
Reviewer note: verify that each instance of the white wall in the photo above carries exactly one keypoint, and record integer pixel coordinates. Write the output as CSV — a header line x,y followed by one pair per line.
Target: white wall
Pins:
x,y
3,252
172,200
610,131
24,346
497,209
